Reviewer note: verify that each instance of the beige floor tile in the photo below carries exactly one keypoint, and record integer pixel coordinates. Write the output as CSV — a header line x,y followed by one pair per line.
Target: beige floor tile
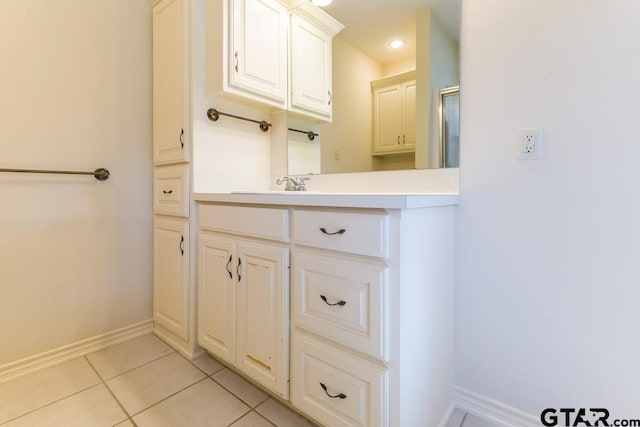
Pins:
x,y
208,364
34,390
125,423
473,421
93,407
242,388
202,404
282,416
456,418
148,384
128,355
252,419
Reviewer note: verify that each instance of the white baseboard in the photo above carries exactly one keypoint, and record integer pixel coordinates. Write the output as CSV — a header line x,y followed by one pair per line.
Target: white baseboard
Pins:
x,y
71,351
493,411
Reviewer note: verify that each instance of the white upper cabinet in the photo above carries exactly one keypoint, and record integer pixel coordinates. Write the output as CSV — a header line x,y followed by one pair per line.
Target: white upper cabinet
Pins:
x,y
311,36
246,51
170,82
394,114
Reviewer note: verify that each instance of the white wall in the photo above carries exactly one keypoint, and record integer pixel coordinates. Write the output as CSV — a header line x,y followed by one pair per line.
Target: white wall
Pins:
x,y
548,278
350,131
75,253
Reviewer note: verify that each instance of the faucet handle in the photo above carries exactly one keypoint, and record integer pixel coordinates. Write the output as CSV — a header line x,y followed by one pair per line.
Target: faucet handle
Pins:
x,y
301,186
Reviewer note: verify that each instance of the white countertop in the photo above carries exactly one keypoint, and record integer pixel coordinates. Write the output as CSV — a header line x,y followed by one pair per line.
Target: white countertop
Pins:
x,y
291,198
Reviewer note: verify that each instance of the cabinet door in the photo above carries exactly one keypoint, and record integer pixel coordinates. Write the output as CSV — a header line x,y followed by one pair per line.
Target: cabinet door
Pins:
x,y
387,127
259,48
171,275
170,81
409,116
263,315
216,295
311,71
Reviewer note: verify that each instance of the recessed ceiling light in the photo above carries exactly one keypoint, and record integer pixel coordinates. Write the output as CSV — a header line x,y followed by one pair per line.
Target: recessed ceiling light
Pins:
x,y
396,43
322,3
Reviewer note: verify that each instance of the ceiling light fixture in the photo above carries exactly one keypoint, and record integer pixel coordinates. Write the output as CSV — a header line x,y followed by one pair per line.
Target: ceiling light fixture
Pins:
x,y
396,43
322,3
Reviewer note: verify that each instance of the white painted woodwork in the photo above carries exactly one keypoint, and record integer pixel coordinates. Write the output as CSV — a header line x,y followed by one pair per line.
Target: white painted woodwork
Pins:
x,y
311,69
365,233
170,81
262,315
171,275
243,291
394,114
365,386
358,290
171,190
247,51
262,223
217,295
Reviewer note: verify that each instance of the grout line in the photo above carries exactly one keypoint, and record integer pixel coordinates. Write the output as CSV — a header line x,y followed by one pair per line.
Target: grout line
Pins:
x,y
110,392
140,366
239,418
202,370
51,403
263,417
238,397
168,397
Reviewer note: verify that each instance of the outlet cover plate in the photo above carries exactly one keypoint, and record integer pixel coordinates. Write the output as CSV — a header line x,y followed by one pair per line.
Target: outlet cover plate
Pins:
x,y
529,144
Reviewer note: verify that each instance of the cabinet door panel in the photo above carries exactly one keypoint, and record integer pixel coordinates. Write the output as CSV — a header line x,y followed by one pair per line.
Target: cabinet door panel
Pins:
x,y
311,68
171,276
387,126
169,58
216,296
409,131
259,43
263,321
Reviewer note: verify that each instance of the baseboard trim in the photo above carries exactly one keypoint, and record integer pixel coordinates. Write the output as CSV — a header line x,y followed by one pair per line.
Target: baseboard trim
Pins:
x,y
493,411
71,351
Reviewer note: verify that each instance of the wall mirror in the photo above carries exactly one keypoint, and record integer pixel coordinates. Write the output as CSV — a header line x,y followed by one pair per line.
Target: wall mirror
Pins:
x,y
384,97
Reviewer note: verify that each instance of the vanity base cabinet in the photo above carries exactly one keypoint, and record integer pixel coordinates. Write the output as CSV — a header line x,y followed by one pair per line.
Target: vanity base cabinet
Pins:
x,y
243,294
373,324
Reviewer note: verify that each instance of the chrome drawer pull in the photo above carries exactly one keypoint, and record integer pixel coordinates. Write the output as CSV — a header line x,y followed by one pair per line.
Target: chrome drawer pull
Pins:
x,y
167,192
337,396
324,230
340,303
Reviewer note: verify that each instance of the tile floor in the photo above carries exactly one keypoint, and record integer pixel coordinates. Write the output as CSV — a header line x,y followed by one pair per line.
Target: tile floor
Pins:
x,y
143,382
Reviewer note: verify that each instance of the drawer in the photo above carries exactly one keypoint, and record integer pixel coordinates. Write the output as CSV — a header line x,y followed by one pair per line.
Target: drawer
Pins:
x,y
343,300
336,387
358,233
263,223
171,190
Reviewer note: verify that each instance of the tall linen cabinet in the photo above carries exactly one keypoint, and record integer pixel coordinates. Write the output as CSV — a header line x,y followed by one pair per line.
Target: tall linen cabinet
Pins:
x,y
174,292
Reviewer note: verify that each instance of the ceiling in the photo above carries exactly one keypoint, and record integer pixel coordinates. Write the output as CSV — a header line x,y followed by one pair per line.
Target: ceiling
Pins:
x,y
370,24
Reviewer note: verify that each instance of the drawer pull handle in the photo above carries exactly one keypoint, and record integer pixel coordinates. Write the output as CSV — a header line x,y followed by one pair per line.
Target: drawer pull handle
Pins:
x,y
167,192
238,269
181,138
337,396
182,245
324,230
229,271
340,303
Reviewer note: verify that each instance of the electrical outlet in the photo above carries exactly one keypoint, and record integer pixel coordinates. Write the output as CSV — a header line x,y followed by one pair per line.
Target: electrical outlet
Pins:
x,y
529,144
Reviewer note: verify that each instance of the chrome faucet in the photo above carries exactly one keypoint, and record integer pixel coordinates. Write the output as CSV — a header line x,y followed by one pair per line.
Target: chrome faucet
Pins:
x,y
292,183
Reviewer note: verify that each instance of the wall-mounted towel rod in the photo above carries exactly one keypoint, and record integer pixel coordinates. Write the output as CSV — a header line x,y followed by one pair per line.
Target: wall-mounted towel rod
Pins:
x,y
214,115
101,174
310,134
